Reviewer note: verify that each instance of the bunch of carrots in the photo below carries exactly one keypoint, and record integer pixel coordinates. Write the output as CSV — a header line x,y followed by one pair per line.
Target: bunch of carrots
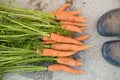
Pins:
x,y
63,47
29,36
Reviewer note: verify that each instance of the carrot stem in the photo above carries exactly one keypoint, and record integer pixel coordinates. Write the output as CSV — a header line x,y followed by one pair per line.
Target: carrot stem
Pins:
x,y
40,32
46,46
21,69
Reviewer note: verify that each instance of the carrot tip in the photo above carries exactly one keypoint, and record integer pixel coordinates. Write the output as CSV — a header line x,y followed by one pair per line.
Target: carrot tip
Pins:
x,y
82,72
90,46
81,64
78,10
68,4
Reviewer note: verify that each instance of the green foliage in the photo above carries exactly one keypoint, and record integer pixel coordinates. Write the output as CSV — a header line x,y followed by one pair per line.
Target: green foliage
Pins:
x,y
20,32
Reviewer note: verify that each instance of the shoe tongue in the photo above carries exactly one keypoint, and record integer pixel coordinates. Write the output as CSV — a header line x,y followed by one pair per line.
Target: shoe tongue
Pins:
x,y
114,51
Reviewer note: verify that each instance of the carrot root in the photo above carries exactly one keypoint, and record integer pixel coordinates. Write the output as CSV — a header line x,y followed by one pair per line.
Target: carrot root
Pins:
x,y
63,7
72,28
49,42
59,38
82,38
45,38
51,52
73,23
66,17
69,61
69,47
60,67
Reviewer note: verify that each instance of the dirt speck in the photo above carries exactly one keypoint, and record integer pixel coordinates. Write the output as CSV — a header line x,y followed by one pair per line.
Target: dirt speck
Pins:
x,y
30,2
69,1
84,2
38,6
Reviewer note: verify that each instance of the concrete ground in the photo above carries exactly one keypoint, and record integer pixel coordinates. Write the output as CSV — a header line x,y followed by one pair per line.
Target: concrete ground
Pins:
x,y
96,68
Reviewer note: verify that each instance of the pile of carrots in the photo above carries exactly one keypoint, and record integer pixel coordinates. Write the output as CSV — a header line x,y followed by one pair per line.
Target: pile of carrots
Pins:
x,y
55,46
63,47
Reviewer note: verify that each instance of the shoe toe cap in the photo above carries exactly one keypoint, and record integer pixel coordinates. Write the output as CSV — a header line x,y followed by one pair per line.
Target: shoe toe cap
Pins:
x,y
111,52
109,23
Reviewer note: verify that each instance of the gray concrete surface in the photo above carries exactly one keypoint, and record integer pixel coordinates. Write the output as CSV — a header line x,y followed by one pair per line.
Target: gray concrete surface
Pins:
x,y
96,68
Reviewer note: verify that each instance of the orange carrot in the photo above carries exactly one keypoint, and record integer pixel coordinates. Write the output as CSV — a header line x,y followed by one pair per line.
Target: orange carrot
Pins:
x,y
81,17
45,38
51,52
72,28
59,38
60,67
82,38
73,12
69,17
66,12
49,42
68,61
82,28
73,23
63,7
68,47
